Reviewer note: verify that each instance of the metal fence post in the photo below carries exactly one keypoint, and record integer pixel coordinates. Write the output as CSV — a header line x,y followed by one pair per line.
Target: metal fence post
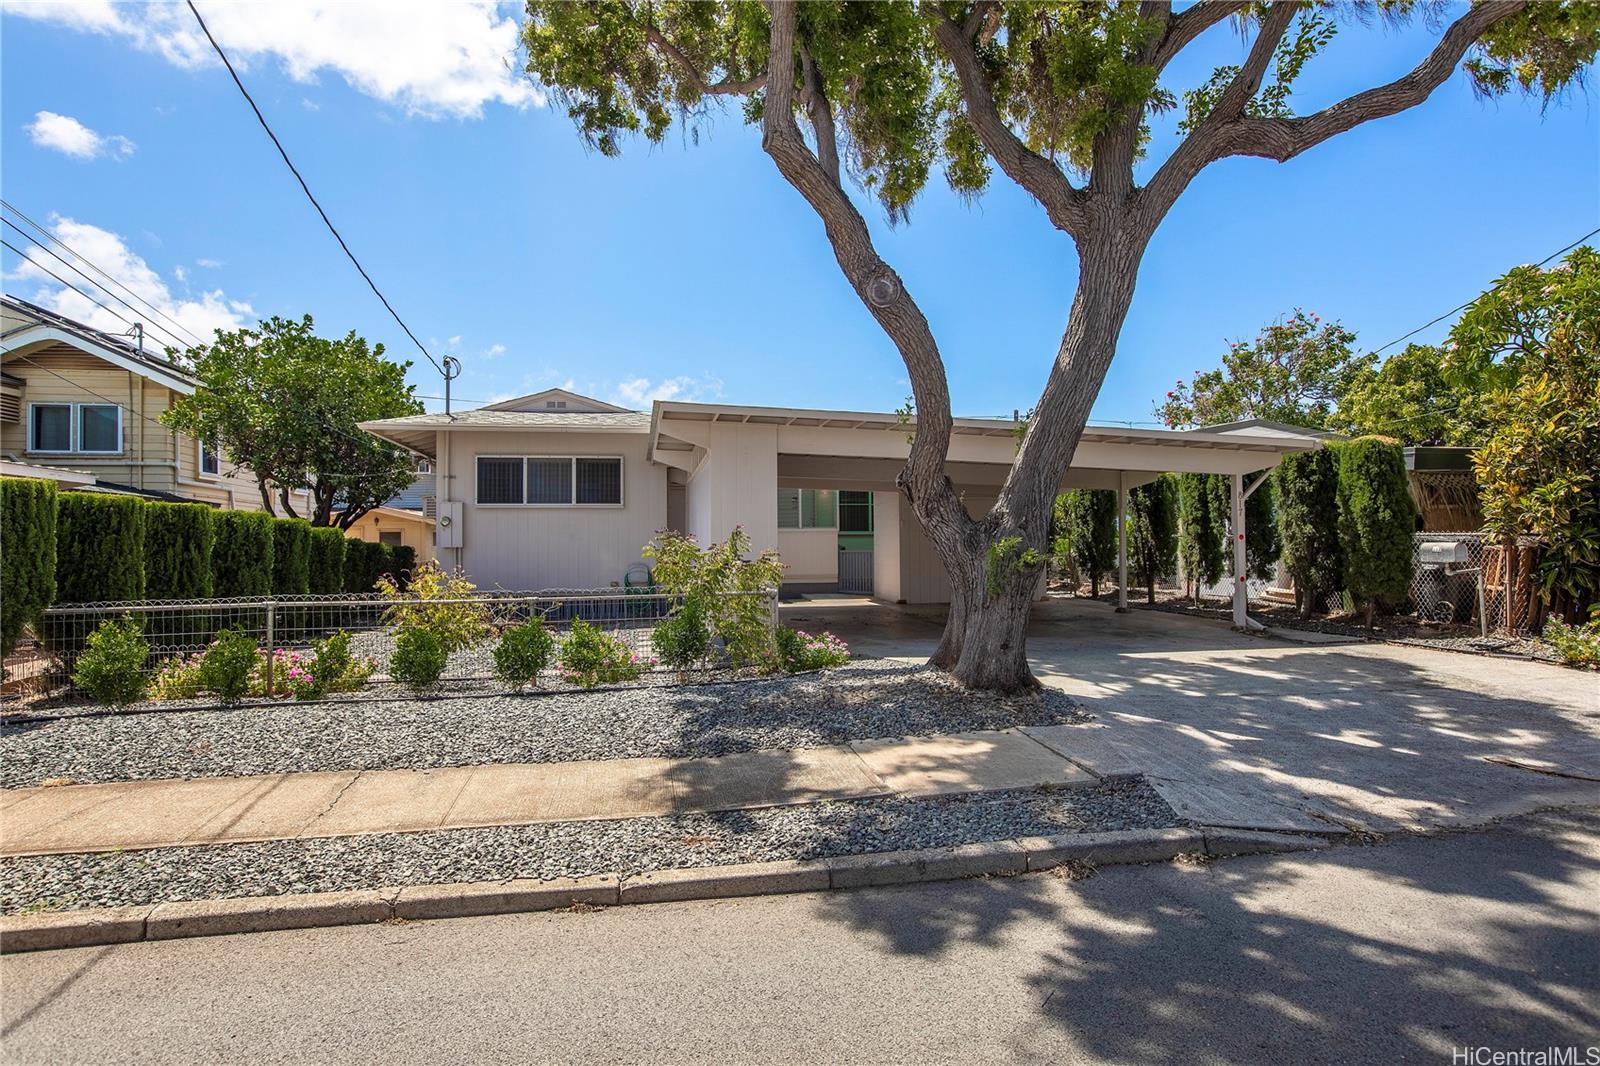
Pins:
x,y
271,611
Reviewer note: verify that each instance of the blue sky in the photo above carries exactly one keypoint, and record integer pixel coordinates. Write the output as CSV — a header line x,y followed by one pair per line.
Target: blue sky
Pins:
x,y
501,239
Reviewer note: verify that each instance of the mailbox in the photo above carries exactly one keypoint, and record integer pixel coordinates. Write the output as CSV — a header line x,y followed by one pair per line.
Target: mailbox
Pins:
x,y
1442,552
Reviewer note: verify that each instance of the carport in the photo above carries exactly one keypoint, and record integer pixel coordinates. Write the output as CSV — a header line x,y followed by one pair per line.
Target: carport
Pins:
x,y
727,463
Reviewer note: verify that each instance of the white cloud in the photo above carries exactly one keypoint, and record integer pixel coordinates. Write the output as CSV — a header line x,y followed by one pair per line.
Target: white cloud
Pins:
x,y
428,58
494,351
63,133
209,264
198,314
641,391
455,342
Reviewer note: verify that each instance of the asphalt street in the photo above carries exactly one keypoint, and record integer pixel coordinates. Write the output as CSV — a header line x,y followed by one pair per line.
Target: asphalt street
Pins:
x,y
1389,953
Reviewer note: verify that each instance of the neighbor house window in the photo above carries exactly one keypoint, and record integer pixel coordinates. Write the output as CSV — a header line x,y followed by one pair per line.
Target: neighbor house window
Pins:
x,y
210,459
390,536
551,480
808,509
75,427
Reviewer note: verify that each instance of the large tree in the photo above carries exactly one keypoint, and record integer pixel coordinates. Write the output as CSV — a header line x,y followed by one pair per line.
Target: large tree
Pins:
x,y
1058,97
1295,371
285,402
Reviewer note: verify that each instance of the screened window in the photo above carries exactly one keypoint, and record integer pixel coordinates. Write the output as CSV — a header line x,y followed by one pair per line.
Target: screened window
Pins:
x,y
210,460
808,509
551,481
499,480
52,427
99,427
855,512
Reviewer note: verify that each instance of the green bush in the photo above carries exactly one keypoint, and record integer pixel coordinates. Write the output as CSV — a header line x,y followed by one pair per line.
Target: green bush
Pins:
x,y
403,561
1576,645
524,650
27,555
727,584
1200,529
1307,485
457,625
242,559
590,656
1377,520
1153,532
419,658
111,666
364,563
227,665
291,556
1091,530
179,539
325,560
799,650
683,640
99,547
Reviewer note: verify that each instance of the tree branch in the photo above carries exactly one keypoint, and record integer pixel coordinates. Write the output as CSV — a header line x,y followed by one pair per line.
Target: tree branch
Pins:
x,y
1284,138
1040,177
725,87
1184,28
880,289
821,114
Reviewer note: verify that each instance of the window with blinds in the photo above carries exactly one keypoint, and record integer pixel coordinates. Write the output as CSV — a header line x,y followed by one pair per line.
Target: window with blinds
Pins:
x,y
550,480
808,509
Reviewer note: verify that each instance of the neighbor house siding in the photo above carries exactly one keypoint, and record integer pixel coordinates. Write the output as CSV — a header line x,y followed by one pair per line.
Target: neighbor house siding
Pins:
x,y
519,547
810,556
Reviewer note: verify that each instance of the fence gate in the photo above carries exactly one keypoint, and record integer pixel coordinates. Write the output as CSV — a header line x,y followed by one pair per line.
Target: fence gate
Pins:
x,y
855,572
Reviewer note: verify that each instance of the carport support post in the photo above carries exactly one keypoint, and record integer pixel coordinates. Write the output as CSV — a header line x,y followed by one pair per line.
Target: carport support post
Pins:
x,y
1122,542
1241,613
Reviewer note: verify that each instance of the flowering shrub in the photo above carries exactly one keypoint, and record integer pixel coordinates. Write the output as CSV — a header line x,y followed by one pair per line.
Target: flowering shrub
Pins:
x,y
523,652
177,678
1577,645
111,665
424,603
590,656
228,665
799,650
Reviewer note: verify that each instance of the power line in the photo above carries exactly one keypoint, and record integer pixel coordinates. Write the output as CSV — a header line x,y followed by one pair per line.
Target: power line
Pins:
x,y
1475,299
67,283
307,190
79,271
152,308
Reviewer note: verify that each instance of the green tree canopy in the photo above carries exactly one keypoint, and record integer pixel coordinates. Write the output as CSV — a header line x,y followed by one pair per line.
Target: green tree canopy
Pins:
x,y
1294,371
1091,516
1409,398
285,402
1153,532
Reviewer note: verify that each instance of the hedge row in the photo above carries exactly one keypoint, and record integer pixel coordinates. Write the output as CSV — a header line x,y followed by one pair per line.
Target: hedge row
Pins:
x,y
84,547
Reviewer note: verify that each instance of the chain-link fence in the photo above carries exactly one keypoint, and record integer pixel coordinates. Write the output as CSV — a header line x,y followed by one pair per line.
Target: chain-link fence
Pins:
x,y
176,628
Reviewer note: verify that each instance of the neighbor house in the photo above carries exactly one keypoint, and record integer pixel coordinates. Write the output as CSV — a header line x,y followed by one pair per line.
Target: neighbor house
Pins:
x,y
557,490
82,407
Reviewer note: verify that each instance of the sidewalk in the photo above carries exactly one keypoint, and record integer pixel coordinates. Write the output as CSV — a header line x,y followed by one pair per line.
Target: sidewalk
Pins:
x,y
151,814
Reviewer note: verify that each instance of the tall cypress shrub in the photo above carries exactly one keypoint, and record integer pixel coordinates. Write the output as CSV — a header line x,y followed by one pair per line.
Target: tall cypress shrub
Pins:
x,y
325,569
241,560
1307,485
1092,531
27,555
99,547
1153,532
364,561
405,561
291,556
178,541
1263,546
1376,521
1200,529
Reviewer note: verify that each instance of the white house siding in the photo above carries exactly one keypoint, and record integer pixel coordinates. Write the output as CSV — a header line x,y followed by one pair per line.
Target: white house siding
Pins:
x,y
810,556
519,547
737,484
886,523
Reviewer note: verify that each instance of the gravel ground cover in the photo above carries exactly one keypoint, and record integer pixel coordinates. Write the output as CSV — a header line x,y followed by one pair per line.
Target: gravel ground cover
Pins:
x,y
570,849
864,700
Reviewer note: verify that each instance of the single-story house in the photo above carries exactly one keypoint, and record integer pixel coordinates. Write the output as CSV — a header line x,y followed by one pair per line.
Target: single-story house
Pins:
x,y
398,526
561,491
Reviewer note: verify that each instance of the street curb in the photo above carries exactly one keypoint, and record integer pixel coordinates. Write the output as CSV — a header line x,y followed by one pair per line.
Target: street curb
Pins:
x,y
258,914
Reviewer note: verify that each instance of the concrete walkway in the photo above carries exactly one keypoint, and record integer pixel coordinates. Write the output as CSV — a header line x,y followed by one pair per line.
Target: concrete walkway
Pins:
x,y
1252,732
151,814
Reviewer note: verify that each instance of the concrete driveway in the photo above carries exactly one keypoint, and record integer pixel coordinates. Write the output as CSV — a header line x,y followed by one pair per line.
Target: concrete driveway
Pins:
x,y
1265,733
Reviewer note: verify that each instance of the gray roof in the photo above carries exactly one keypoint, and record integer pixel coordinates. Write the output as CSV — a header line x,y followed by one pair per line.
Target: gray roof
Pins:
x,y
615,421
118,344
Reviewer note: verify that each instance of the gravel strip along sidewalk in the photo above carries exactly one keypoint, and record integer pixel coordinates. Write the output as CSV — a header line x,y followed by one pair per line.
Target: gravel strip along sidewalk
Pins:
x,y
570,849
864,700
